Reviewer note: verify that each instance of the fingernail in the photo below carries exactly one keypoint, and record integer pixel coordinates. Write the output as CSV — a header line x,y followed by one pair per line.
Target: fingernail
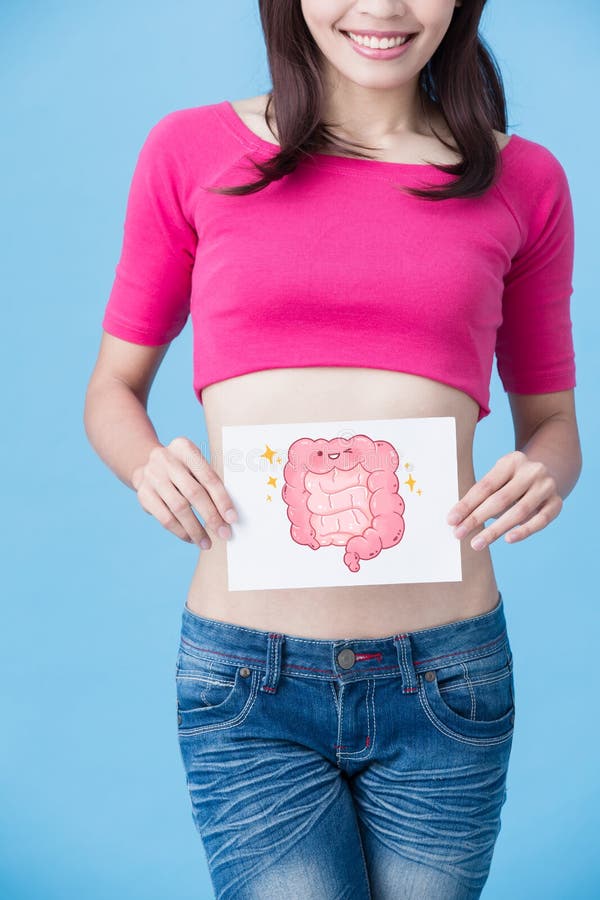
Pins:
x,y
205,544
478,543
231,515
224,532
460,531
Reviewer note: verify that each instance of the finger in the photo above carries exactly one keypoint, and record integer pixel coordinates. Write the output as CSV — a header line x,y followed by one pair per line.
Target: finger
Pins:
x,y
505,498
154,504
183,512
491,482
192,494
523,512
207,478
199,497
543,517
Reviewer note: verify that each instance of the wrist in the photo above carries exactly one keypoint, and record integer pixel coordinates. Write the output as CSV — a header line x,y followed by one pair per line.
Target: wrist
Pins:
x,y
136,477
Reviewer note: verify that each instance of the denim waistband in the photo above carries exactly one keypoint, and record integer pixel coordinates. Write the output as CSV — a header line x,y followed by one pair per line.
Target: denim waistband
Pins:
x,y
405,653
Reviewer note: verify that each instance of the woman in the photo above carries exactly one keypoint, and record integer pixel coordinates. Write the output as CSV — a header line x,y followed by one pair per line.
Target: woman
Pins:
x,y
347,741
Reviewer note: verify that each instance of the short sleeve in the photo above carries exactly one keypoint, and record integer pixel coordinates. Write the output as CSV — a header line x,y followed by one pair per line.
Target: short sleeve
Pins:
x,y
149,302
534,343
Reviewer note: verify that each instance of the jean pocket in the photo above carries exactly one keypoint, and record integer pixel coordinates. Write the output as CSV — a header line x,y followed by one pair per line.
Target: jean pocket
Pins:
x,y
472,700
212,693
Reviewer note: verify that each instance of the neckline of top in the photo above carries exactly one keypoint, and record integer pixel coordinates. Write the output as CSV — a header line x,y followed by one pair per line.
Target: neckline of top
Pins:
x,y
328,159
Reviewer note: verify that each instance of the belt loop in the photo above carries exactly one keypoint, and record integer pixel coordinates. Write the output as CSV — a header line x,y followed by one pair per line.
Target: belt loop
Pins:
x,y
405,661
271,679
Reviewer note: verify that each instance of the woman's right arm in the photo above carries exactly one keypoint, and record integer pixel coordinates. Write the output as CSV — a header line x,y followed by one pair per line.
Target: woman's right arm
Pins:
x,y
115,412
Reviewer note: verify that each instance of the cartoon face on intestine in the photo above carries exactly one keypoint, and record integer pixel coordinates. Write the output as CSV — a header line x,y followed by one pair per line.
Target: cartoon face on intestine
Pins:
x,y
344,492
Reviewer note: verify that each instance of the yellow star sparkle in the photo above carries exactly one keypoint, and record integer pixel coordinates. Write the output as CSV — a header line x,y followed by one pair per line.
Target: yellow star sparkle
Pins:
x,y
410,482
272,481
269,454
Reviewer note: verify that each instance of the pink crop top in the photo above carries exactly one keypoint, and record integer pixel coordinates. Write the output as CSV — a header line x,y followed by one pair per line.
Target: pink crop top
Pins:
x,y
334,266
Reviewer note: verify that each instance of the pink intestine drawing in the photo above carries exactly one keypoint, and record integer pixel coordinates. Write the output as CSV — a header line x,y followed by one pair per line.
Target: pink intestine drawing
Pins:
x,y
344,493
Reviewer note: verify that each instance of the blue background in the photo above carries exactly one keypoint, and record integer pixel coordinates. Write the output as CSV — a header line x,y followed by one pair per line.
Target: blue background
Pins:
x,y
93,798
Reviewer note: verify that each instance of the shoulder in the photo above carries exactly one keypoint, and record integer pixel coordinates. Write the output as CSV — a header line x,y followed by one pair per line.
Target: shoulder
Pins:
x,y
179,124
535,162
536,187
533,180
191,140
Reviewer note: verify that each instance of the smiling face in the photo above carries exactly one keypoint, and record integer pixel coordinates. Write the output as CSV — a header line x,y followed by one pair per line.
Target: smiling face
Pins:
x,y
369,64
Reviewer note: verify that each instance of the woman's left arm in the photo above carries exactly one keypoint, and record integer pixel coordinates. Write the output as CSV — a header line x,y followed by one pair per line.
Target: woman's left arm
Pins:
x,y
525,489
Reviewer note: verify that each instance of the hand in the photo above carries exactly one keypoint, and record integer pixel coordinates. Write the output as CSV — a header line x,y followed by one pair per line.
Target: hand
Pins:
x,y
175,479
518,492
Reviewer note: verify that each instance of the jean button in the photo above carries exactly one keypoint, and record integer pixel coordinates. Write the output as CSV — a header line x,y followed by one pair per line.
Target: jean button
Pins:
x,y
346,658
244,671
429,676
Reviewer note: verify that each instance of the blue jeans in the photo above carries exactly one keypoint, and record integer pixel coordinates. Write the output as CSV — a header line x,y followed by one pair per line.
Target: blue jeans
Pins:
x,y
346,769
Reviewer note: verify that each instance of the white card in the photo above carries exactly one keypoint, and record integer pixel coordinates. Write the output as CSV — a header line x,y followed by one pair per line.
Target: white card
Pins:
x,y
323,504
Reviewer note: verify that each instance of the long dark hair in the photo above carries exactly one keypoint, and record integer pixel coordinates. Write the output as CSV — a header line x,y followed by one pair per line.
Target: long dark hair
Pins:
x,y
461,79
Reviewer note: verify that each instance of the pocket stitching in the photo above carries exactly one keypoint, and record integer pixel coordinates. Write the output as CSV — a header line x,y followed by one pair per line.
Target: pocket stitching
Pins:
x,y
484,679
234,720
469,683
455,735
205,683
495,677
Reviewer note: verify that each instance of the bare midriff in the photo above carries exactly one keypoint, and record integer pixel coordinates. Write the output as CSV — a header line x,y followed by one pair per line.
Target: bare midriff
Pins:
x,y
316,394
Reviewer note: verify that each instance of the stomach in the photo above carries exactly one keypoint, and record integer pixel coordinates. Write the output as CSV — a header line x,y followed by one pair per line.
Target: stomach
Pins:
x,y
365,611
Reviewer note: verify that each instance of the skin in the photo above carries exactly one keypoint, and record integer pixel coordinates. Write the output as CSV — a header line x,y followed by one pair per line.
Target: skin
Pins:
x,y
373,102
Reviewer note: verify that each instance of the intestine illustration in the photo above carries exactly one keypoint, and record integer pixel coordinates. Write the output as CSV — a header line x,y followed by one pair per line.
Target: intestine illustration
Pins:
x,y
344,492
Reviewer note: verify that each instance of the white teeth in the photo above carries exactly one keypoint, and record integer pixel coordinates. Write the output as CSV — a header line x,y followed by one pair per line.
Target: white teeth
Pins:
x,y
376,44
